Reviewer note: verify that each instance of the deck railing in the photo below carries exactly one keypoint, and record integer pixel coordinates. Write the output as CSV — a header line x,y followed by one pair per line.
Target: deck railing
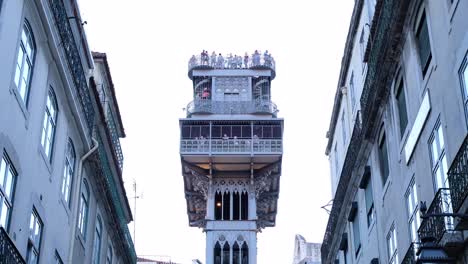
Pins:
x,y
9,254
229,146
114,137
226,107
436,227
458,177
227,62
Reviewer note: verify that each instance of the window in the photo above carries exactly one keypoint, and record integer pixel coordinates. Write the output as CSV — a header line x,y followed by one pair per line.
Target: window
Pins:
x,y
356,234
58,259
245,254
34,240
50,123
110,255
423,43
362,47
401,103
25,61
383,158
7,186
84,206
68,172
463,73
351,91
240,205
336,159
412,203
438,159
343,127
392,246
97,241
369,202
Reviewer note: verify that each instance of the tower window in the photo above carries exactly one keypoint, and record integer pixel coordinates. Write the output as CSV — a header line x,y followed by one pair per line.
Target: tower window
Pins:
x,y
226,206
218,206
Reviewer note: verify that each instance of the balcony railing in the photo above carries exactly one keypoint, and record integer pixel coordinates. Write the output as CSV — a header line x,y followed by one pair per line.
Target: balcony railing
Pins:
x,y
410,256
9,254
72,55
458,177
435,226
232,62
230,146
226,107
114,137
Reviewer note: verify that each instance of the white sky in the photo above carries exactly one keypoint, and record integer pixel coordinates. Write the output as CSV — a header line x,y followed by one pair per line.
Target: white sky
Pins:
x,y
149,43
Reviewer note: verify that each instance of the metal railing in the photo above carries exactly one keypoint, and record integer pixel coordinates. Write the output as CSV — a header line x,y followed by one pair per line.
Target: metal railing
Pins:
x,y
232,62
227,146
458,177
227,107
410,256
72,55
434,226
9,254
114,137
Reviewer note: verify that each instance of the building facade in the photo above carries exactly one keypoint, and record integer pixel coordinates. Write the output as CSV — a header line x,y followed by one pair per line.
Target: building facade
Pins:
x,y
398,135
231,151
62,198
306,252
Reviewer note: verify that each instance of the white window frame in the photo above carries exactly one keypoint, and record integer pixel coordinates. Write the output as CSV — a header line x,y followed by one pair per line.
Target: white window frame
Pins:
x,y
412,205
463,75
438,156
8,176
84,209
97,241
25,62
68,172
49,124
35,236
392,246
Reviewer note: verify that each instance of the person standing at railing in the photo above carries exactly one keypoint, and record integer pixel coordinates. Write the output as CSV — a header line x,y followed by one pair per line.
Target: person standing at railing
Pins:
x,y
220,62
213,59
255,141
266,58
206,93
246,60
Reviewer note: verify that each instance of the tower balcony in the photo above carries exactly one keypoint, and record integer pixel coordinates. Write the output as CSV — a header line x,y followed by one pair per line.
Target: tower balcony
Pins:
x,y
233,107
254,61
231,146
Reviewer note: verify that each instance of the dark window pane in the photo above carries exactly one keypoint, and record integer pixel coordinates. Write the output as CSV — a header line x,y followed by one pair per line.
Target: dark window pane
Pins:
x,y
236,131
258,131
195,131
226,130
402,113
424,44
277,132
205,131
216,132
267,132
383,158
185,132
246,131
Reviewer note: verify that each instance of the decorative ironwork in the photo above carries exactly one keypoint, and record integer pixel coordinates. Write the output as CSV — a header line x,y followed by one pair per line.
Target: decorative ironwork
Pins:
x,y
9,254
225,146
226,107
436,227
458,177
114,137
338,202
72,55
104,164
410,256
233,62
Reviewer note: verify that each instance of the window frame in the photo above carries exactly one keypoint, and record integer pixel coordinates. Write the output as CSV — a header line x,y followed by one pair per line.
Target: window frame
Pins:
x,y
97,243
32,247
27,31
9,198
83,209
400,89
417,29
462,72
412,206
383,156
439,162
392,246
68,172
49,122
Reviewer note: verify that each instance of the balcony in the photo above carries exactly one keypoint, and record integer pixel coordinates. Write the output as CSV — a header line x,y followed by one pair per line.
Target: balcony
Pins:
x,y
231,146
254,61
458,180
226,107
410,256
441,227
114,136
8,251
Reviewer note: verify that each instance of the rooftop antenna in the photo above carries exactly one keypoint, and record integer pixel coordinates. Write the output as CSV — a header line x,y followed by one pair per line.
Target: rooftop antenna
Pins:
x,y
135,197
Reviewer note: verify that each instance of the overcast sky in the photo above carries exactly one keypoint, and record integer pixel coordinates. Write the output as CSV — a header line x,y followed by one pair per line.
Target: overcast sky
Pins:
x,y
148,44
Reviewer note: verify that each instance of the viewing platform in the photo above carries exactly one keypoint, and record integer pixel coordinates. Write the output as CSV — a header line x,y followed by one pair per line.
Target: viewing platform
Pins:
x,y
206,106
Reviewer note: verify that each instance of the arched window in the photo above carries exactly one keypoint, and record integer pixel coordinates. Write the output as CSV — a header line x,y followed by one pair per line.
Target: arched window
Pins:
x,y
236,206
226,205
8,176
245,254
217,254
226,253
218,206
97,241
25,61
84,206
110,254
49,124
236,257
68,171
244,208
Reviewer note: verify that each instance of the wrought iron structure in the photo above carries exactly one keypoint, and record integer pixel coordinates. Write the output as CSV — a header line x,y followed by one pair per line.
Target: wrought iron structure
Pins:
x,y
9,254
458,177
220,146
234,107
437,226
114,135
73,58
232,63
410,256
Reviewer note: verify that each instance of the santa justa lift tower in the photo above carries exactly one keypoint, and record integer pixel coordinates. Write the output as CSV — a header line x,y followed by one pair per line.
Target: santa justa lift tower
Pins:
x,y
231,149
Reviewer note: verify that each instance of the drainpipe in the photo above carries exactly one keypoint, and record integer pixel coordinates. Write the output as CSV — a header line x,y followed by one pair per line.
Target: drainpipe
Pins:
x,y
75,198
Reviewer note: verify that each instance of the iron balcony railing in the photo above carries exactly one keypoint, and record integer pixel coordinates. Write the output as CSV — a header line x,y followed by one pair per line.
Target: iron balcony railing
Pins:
x,y
230,146
435,226
114,137
458,176
227,107
410,256
115,197
9,254
232,62
73,58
